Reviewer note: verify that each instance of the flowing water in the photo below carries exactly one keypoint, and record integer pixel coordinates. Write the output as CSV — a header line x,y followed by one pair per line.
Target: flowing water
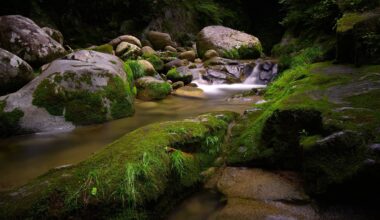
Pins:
x,y
23,158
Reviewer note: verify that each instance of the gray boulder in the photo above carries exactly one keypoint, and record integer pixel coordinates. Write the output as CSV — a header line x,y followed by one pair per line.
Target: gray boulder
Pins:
x,y
14,72
228,43
82,88
55,34
27,40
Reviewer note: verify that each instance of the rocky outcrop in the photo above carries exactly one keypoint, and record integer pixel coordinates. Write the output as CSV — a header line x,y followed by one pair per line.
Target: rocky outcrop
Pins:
x,y
150,88
27,40
358,38
84,87
14,72
228,43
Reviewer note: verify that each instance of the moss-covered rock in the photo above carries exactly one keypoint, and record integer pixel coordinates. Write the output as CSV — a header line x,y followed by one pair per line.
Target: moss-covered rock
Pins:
x,y
174,75
358,38
154,60
228,43
319,119
150,88
82,88
130,177
9,121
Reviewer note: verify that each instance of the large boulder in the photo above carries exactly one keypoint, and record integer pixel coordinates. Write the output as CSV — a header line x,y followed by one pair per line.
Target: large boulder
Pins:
x,y
82,88
150,88
128,51
228,43
14,72
159,40
358,37
27,40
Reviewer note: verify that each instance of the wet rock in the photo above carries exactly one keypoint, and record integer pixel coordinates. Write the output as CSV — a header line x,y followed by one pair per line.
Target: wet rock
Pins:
x,y
125,38
159,40
55,34
198,61
190,92
223,40
180,74
244,209
210,54
188,55
14,72
84,87
257,184
178,85
150,88
21,36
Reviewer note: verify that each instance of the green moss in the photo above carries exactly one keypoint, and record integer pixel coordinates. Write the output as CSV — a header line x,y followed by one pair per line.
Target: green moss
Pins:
x,y
174,75
348,21
308,142
245,52
105,48
155,61
154,90
83,107
129,174
9,120
136,68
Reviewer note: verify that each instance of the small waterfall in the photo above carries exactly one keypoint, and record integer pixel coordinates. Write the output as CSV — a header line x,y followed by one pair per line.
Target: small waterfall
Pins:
x,y
262,73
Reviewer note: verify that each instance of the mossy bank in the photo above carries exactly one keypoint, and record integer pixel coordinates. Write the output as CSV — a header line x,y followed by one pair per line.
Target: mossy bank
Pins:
x,y
130,177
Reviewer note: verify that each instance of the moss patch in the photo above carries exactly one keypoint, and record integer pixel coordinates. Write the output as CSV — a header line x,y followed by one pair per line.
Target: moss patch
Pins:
x,y
348,21
9,120
155,61
105,48
245,52
129,174
82,106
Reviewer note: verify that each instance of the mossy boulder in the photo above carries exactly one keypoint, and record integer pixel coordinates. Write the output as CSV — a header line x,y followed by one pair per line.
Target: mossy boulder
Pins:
x,y
180,74
23,37
228,43
82,88
14,72
9,121
358,38
127,50
154,60
133,176
332,160
150,88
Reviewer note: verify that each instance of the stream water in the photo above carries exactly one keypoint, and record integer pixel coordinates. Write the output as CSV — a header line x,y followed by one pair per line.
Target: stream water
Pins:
x,y
23,158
